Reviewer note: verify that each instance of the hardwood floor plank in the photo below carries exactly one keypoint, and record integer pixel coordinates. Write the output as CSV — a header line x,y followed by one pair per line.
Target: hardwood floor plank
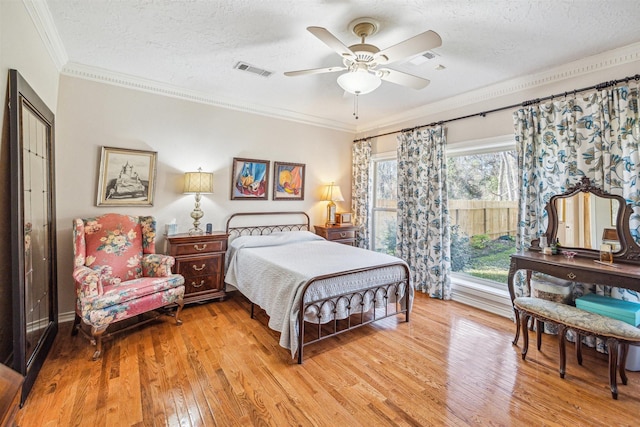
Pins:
x,y
451,365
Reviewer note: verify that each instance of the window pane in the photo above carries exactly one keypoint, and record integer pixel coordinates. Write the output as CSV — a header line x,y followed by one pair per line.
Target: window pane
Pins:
x,y
385,183
483,194
384,235
383,221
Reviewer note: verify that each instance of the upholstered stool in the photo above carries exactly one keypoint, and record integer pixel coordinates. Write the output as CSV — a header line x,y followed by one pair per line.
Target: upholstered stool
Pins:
x,y
615,332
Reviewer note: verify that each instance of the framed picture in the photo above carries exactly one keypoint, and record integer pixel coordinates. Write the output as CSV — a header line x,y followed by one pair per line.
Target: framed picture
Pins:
x,y
249,179
127,177
288,181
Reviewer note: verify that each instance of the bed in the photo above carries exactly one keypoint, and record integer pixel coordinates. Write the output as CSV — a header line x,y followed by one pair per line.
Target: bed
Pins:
x,y
311,288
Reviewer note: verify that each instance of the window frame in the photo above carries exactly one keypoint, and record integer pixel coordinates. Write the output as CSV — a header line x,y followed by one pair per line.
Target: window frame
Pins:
x,y
484,294
467,148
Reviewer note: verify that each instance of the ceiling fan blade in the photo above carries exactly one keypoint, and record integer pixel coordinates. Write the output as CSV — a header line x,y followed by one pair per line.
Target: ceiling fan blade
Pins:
x,y
314,71
410,47
332,41
404,79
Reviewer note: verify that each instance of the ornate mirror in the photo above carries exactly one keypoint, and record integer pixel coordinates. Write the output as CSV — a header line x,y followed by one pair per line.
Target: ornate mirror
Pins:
x,y
35,305
585,217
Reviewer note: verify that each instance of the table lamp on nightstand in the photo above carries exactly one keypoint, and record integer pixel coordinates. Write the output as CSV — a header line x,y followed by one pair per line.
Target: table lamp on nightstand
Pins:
x,y
332,194
197,183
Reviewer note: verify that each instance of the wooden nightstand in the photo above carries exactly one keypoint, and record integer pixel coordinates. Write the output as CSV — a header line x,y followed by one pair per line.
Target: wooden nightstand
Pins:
x,y
200,259
343,233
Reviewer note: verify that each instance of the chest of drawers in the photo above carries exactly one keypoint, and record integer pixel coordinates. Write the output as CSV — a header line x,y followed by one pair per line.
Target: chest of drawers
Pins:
x,y
200,259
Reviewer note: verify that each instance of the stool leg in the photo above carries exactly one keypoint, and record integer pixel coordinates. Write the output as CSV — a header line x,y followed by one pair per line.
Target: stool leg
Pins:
x,y
612,347
623,362
524,318
579,348
539,331
517,316
562,330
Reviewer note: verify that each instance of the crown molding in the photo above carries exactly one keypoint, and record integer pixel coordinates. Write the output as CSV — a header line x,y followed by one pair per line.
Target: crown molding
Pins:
x,y
145,85
581,67
43,21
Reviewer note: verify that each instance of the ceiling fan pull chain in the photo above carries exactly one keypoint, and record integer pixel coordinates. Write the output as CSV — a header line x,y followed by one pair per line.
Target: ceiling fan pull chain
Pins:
x,y
355,105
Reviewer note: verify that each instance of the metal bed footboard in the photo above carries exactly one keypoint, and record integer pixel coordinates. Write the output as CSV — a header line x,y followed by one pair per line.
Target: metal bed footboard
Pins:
x,y
354,302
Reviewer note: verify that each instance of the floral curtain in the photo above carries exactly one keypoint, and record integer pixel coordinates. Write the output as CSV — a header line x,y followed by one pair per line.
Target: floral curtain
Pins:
x,y
360,189
594,135
423,235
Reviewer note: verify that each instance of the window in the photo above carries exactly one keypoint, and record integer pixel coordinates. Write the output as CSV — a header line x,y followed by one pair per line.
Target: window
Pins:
x,y
482,183
383,224
479,172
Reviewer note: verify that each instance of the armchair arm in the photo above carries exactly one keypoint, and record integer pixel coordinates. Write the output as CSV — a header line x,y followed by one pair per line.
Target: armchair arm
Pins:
x,y
88,282
157,265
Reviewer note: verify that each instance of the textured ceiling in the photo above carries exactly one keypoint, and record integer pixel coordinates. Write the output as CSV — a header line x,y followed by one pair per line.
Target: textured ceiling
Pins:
x,y
193,45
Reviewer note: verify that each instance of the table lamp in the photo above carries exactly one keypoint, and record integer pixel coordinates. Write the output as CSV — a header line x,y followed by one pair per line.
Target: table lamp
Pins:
x,y
197,183
332,194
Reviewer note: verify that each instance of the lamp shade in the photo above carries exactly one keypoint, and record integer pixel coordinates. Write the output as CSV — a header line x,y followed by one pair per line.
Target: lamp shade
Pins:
x,y
610,234
198,182
359,82
332,193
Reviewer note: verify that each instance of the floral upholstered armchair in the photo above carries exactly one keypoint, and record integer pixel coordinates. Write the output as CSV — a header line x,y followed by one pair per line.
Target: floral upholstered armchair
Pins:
x,y
117,273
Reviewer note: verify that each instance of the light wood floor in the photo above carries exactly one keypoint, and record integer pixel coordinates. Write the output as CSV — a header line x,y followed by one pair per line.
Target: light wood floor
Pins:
x,y
451,365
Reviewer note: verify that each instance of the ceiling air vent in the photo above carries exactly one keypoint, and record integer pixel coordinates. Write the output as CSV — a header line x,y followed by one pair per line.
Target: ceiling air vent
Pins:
x,y
243,66
421,59
429,55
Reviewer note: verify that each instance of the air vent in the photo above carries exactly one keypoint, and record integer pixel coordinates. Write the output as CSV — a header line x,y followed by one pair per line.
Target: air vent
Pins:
x,y
421,59
429,55
243,66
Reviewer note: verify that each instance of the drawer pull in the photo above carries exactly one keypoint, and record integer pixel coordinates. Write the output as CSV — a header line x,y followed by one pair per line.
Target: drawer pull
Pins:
x,y
198,248
343,234
571,276
197,286
198,269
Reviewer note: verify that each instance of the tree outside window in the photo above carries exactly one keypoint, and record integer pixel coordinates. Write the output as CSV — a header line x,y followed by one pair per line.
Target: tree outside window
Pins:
x,y
483,194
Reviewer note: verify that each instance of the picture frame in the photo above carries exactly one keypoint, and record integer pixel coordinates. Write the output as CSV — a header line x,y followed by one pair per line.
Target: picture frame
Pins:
x,y
249,179
288,181
127,177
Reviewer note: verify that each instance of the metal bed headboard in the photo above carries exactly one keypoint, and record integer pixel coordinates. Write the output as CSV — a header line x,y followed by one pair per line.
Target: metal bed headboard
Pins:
x,y
266,226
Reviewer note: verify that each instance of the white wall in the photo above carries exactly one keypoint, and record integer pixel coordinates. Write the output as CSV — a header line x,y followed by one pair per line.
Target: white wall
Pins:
x,y
20,48
186,135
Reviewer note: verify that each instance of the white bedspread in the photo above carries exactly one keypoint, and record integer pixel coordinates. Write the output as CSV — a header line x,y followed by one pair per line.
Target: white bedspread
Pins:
x,y
272,270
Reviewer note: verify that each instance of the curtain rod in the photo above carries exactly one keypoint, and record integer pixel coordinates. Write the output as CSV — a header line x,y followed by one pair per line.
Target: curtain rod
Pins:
x,y
598,86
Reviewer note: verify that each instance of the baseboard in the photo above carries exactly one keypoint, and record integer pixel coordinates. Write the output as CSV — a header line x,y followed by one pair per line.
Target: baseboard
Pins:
x,y
487,298
66,317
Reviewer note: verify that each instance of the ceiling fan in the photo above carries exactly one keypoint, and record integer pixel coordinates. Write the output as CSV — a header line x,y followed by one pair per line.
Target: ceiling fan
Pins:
x,y
361,60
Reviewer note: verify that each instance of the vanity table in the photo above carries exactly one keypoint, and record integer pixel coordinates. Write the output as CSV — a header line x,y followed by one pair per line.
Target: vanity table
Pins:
x,y
578,269
583,218
585,214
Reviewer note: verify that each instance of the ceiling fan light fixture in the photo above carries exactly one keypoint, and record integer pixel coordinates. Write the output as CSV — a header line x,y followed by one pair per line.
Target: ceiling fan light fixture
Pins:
x,y
359,82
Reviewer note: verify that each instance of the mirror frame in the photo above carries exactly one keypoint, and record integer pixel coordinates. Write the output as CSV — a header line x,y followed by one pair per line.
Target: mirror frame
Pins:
x,y
629,250
21,95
